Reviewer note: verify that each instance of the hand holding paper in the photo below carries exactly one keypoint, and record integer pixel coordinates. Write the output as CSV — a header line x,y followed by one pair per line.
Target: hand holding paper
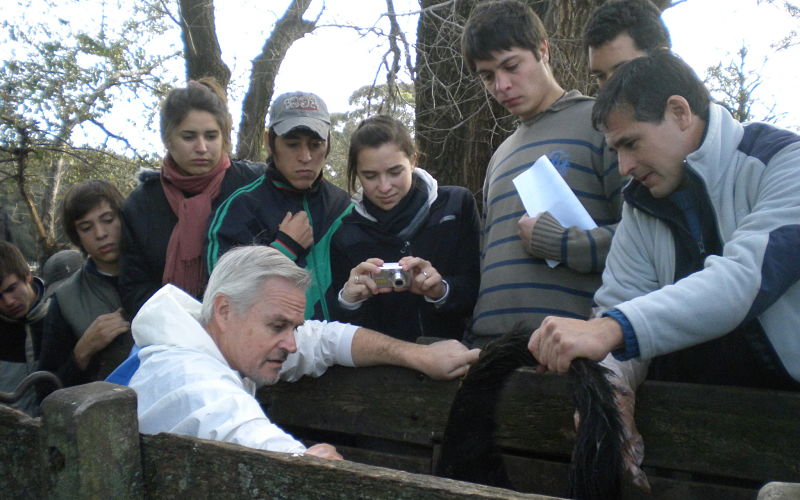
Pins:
x,y
542,189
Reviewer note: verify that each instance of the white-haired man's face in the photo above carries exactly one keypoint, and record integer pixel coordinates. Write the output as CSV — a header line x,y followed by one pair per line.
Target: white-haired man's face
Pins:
x,y
256,342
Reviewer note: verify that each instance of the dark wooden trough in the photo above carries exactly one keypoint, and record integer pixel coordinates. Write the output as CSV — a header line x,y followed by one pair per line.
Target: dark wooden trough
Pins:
x,y
700,441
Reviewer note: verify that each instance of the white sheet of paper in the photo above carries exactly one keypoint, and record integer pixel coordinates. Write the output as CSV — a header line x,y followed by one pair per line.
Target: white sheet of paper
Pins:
x,y
542,189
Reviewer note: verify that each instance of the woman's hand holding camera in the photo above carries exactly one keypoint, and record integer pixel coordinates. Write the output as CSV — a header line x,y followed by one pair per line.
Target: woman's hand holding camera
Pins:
x,y
360,286
425,280
418,277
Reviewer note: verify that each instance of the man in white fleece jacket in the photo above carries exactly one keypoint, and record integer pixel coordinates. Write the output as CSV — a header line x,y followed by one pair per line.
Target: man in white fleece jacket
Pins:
x,y
195,367
702,280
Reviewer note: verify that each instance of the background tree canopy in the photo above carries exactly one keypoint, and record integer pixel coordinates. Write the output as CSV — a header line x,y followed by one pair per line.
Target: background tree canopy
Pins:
x,y
79,89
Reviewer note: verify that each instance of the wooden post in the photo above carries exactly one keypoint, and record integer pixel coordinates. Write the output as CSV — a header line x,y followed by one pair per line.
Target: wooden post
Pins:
x,y
91,435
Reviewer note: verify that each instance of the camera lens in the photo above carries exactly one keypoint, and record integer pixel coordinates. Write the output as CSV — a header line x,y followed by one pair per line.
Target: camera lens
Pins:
x,y
398,279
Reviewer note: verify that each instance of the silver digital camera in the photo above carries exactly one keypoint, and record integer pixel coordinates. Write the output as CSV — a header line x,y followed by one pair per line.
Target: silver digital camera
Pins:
x,y
391,275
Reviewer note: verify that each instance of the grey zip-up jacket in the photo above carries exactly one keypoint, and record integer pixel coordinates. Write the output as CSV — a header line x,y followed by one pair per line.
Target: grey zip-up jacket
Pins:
x,y
750,175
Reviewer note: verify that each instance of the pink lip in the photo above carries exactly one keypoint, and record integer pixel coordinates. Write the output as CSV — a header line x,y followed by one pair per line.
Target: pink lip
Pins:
x,y
107,248
643,179
508,103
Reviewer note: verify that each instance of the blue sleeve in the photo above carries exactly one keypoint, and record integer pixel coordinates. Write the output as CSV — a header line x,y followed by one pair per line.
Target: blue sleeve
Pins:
x,y
631,348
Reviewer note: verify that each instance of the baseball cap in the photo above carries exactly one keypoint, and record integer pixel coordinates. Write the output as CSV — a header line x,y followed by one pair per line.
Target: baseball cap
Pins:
x,y
299,109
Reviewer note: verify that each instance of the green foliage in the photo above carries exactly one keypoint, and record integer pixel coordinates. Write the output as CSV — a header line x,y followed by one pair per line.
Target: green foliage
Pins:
x,y
80,166
57,79
62,77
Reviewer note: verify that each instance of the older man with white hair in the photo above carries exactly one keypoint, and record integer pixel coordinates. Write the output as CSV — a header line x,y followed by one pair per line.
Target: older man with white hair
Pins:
x,y
195,367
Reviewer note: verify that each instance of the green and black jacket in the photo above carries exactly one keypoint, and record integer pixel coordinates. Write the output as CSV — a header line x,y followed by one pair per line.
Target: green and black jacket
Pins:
x,y
251,215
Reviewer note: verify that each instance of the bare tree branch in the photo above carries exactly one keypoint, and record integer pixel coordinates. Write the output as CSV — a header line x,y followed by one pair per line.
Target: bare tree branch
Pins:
x,y
289,28
201,48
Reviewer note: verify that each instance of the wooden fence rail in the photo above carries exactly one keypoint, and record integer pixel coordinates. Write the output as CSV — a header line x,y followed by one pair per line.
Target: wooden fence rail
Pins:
x,y
87,446
702,442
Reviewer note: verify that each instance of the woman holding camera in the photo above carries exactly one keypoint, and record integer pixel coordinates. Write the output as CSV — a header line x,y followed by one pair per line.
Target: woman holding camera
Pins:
x,y
424,236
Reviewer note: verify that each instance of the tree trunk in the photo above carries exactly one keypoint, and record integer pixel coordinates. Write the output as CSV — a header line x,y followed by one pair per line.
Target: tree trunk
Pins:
x,y
44,243
50,195
289,28
458,125
201,48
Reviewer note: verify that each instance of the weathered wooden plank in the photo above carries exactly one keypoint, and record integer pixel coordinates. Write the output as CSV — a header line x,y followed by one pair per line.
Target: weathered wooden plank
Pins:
x,y
723,431
728,431
397,455
717,431
384,402
182,467
535,415
674,489
93,431
531,475
779,491
409,462
549,477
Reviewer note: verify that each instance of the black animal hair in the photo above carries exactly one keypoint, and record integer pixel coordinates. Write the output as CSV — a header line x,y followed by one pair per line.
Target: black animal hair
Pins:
x,y
468,449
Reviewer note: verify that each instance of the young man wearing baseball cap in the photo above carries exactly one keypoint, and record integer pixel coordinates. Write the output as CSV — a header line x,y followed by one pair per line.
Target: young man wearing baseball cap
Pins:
x,y
291,207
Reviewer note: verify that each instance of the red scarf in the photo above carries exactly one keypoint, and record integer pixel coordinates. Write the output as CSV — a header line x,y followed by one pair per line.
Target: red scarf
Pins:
x,y
184,265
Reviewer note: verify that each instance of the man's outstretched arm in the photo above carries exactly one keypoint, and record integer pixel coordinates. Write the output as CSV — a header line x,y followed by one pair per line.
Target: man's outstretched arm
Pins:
x,y
443,360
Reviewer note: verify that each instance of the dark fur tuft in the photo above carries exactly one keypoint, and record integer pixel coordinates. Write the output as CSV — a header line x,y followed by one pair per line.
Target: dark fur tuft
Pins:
x,y
596,468
468,450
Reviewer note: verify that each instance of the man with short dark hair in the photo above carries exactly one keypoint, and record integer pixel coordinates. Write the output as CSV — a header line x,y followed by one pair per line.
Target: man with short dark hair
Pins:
x,y
22,309
195,367
702,278
505,43
621,30
86,334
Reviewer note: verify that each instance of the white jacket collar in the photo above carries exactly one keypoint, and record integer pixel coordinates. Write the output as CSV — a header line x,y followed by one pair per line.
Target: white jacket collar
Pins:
x,y
716,153
171,318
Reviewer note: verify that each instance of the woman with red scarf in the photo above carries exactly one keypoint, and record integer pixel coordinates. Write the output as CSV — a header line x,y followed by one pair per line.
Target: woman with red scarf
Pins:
x,y
165,218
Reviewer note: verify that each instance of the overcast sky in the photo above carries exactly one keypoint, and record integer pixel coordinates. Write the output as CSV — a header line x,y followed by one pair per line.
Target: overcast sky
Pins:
x,y
704,33
333,62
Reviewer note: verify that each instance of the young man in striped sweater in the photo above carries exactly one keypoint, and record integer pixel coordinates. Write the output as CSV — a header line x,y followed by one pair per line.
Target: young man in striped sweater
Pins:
x,y
505,43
